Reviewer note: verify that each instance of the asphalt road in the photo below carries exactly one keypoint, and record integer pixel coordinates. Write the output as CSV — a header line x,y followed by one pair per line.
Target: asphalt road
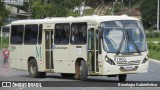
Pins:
x,y
8,74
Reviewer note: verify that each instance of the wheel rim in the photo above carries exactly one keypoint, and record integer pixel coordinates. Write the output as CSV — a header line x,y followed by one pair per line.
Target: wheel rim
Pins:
x,y
80,70
33,68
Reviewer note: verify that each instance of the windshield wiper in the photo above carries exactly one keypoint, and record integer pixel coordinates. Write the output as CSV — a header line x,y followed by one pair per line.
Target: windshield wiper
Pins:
x,y
120,46
136,47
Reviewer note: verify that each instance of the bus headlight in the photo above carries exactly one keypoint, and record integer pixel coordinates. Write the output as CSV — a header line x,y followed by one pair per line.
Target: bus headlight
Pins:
x,y
145,60
110,61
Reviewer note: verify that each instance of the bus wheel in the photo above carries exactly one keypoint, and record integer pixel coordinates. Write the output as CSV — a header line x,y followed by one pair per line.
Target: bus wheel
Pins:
x,y
42,74
122,77
67,75
83,70
33,69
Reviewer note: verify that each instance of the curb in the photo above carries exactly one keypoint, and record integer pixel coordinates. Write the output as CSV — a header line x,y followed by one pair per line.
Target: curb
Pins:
x,y
154,60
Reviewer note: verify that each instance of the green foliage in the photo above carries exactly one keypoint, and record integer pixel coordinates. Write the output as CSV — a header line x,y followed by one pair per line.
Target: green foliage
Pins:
x,y
154,54
3,13
41,11
5,42
74,14
61,8
149,11
89,11
154,46
154,50
0,20
51,8
153,39
132,2
118,8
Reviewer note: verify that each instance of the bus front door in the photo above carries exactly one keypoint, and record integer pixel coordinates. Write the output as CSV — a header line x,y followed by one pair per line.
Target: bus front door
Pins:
x,y
93,50
48,49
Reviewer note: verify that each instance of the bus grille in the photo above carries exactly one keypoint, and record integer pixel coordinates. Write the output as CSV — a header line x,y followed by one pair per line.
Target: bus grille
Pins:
x,y
122,63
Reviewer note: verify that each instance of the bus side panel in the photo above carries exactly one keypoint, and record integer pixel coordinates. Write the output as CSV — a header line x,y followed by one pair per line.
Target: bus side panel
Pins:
x,y
16,55
61,59
63,65
20,54
33,51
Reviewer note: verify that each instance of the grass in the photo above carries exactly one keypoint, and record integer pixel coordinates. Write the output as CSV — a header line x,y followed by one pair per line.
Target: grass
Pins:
x,y
154,54
153,39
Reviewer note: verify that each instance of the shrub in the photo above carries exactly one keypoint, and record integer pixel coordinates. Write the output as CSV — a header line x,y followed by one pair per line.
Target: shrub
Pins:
x,y
153,35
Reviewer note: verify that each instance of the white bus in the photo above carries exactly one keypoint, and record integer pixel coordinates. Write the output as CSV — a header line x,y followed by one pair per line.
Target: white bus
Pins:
x,y
79,46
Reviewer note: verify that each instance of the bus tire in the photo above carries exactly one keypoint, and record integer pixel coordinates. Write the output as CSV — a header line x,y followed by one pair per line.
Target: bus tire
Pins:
x,y
33,69
83,70
122,77
42,74
67,75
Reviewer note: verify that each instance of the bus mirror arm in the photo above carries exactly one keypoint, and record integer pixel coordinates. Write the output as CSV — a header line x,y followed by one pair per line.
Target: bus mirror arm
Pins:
x,y
99,41
99,46
100,34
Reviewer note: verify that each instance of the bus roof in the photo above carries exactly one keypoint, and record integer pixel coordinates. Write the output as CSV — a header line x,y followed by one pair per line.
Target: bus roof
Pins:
x,y
93,18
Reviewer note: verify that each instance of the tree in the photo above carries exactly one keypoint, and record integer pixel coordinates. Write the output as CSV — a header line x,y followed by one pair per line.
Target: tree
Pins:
x,y
149,12
50,8
62,7
131,2
3,14
41,9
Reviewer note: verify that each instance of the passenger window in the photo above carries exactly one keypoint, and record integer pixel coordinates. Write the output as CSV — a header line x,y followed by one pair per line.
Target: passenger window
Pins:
x,y
79,33
17,34
31,32
62,34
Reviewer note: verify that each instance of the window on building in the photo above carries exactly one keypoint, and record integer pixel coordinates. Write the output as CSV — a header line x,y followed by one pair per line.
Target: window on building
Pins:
x,y
31,32
62,33
79,33
17,34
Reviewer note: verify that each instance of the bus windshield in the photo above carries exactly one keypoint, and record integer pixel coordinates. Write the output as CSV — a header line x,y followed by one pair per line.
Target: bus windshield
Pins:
x,y
123,36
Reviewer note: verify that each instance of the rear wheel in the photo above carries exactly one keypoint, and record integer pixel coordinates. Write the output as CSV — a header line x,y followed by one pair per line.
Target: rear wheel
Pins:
x,y
33,69
83,70
122,77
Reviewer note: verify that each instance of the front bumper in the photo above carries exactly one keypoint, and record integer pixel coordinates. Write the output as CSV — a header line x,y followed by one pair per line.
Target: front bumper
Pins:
x,y
114,69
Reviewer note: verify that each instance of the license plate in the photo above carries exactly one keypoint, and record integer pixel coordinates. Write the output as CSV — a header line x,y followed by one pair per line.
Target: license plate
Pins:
x,y
129,67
